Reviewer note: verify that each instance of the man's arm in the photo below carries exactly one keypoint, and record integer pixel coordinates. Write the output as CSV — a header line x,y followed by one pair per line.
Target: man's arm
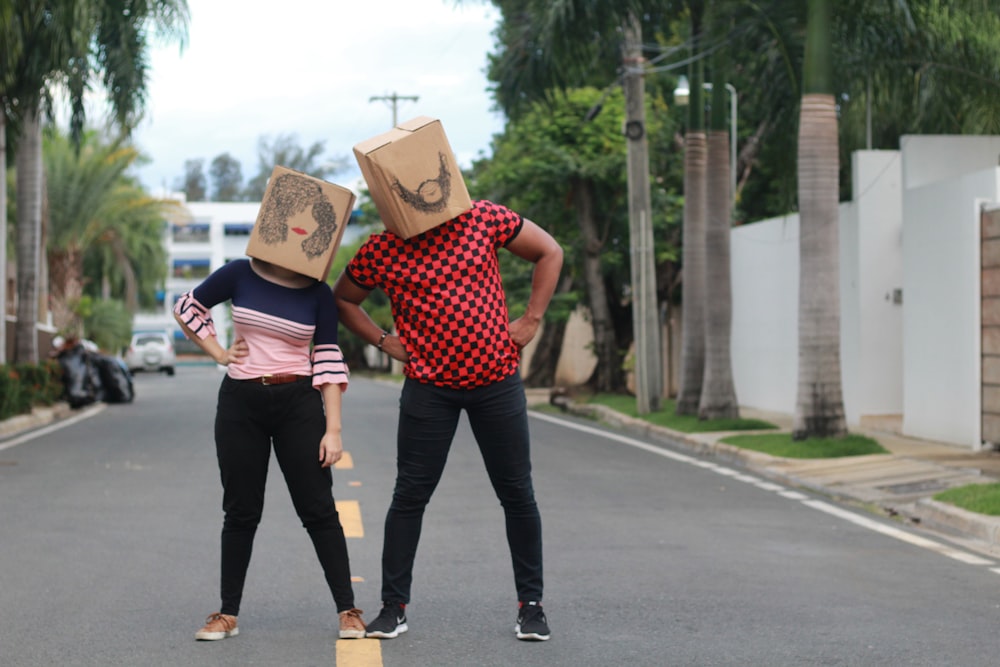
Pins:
x,y
537,246
349,297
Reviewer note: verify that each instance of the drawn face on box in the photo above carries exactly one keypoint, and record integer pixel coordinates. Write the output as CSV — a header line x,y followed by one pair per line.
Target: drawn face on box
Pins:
x,y
290,196
432,195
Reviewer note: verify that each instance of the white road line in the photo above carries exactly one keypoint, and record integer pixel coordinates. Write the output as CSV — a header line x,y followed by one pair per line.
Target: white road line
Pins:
x,y
846,515
45,430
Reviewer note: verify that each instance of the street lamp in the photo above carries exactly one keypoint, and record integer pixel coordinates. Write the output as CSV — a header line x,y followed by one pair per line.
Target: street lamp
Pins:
x,y
682,94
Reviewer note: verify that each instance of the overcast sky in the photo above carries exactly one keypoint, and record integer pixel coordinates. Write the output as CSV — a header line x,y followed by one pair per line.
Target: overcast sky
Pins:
x,y
310,67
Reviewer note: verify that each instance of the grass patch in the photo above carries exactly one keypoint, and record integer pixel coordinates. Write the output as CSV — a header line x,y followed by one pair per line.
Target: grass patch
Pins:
x,y
781,444
979,498
667,418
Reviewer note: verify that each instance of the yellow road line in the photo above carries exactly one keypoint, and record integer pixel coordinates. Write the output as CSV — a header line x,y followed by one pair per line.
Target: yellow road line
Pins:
x,y
359,653
346,462
350,518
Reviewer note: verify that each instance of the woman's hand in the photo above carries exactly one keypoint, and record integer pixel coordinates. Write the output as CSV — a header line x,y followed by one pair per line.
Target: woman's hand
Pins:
x,y
235,353
331,449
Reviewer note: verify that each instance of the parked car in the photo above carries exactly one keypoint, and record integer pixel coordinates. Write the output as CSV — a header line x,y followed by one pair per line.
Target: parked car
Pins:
x,y
151,351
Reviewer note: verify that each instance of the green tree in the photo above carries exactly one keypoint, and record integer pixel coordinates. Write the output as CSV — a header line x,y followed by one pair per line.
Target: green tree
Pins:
x,y
568,174
74,43
227,178
284,150
98,212
194,185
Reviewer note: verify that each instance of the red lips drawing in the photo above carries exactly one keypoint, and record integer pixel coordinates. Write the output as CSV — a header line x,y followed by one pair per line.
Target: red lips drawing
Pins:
x,y
299,231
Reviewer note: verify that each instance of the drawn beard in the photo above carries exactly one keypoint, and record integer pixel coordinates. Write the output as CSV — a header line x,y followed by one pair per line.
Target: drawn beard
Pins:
x,y
422,199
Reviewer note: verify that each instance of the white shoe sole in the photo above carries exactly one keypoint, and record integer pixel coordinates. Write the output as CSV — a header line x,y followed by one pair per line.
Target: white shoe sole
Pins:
x,y
214,636
352,634
400,629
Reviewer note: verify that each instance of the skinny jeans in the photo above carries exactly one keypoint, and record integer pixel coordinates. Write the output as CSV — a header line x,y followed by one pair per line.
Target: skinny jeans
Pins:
x,y
428,419
250,419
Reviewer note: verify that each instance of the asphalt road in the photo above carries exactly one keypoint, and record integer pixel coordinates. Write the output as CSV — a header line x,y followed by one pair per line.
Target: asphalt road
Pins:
x,y
109,556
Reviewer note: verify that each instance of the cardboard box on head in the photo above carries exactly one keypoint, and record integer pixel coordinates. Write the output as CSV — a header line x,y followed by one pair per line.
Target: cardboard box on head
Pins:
x,y
413,177
301,222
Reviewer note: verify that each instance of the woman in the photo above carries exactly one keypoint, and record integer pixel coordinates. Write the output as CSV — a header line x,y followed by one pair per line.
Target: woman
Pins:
x,y
285,376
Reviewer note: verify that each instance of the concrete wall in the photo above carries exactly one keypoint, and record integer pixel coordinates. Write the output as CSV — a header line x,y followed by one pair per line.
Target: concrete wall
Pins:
x,y
932,158
765,275
871,284
765,284
941,315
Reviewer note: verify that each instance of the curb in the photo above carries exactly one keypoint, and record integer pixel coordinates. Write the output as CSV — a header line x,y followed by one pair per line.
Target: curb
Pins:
x,y
39,416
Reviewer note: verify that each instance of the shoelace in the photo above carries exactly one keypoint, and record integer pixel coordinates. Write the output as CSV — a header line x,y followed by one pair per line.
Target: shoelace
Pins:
x,y
218,616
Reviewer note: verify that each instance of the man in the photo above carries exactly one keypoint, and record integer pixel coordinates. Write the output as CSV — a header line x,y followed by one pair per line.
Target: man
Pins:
x,y
460,352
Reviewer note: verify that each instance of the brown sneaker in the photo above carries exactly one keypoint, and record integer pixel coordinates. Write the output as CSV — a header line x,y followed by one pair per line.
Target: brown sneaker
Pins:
x,y
351,625
218,626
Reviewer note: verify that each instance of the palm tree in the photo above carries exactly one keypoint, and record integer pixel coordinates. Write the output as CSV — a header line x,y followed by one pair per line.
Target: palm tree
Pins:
x,y
718,392
94,206
74,42
693,294
819,408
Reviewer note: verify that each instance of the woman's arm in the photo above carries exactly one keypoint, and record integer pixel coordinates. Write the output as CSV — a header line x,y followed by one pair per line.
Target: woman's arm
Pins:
x,y
331,447
211,346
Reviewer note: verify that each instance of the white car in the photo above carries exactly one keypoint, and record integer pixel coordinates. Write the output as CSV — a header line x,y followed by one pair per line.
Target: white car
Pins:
x,y
151,351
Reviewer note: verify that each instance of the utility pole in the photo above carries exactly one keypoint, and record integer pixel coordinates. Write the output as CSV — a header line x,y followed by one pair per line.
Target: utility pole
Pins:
x,y
394,101
645,316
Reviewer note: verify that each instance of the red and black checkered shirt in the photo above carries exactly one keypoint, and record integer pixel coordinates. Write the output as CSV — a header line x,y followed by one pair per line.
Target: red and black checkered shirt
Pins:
x,y
447,298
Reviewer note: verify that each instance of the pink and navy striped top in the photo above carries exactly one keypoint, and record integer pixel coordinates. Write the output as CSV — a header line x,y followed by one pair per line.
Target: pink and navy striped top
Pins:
x,y
287,330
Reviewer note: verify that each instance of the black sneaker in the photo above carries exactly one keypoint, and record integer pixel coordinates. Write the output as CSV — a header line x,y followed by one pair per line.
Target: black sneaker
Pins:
x,y
531,623
390,621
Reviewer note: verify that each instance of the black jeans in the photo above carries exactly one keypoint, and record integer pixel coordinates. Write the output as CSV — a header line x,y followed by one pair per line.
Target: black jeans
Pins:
x,y
250,417
428,418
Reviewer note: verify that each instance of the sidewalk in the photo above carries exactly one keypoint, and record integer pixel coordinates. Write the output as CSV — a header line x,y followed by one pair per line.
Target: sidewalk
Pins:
x,y
899,484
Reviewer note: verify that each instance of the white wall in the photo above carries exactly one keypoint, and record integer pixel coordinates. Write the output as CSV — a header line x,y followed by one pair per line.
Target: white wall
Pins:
x,y
765,276
873,369
765,283
932,158
941,314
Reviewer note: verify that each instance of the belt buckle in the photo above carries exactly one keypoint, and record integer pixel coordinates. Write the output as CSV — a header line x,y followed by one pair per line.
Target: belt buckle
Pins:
x,y
263,379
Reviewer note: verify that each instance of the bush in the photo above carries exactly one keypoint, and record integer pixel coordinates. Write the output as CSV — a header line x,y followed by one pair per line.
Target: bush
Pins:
x,y
23,386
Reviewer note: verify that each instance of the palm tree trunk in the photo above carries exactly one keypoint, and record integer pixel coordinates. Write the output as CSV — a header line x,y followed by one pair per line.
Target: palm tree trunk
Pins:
x,y
693,285
29,221
819,409
718,393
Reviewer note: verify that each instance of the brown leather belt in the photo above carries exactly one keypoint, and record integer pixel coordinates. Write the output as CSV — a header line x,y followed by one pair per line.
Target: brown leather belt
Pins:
x,y
280,378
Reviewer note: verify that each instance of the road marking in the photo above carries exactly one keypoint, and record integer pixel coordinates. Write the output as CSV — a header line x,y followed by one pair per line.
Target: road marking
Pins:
x,y
346,462
45,430
846,515
350,517
359,653
897,533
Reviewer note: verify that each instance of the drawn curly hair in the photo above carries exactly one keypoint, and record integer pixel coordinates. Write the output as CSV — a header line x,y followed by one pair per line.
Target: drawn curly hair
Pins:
x,y
290,195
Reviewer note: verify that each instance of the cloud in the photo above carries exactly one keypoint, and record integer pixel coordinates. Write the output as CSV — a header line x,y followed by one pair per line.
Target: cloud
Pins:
x,y
309,68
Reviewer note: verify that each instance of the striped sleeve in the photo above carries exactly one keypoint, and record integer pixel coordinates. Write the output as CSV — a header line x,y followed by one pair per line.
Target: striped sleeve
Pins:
x,y
329,366
195,316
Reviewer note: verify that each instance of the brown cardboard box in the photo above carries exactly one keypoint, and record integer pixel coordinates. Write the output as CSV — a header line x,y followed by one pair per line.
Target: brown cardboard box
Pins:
x,y
413,177
300,223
